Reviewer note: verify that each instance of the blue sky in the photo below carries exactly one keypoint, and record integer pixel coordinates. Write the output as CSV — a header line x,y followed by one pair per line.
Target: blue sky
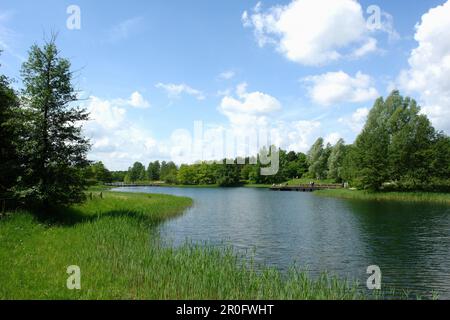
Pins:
x,y
298,68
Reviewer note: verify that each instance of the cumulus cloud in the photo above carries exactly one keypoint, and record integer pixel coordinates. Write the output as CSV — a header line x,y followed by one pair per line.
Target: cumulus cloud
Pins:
x,y
253,113
249,102
339,87
313,32
137,100
176,90
116,140
428,74
357,120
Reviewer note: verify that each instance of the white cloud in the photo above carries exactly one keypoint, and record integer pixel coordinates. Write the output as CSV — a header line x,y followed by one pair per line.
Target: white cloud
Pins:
x,y
298,135
251,113
313,32
369,46
124,29
176,90
339,87
332,138
249,103
116,140
227,75
105,113
357,120
138,101
429,66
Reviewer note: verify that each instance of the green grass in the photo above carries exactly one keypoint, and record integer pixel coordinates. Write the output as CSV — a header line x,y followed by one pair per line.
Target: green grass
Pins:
x,y
112,240
381,196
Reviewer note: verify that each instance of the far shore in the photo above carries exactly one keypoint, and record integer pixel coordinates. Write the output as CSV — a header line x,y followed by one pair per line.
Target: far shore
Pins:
x,y
429,197
408,196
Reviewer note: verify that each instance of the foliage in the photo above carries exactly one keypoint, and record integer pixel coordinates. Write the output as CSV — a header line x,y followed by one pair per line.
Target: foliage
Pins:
x,y
52,147
136,173
10,167
318,159
97,173
336,161
154,171
397,145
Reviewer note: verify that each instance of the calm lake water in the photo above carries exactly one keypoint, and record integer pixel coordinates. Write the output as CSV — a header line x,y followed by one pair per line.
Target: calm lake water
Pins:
x,y
410,242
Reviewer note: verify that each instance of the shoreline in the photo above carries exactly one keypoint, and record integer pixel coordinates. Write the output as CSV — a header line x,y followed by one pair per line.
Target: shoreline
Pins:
x,y
422,197
402,196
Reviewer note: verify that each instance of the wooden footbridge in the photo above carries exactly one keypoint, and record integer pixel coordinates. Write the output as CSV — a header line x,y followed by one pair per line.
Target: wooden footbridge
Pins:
x,y
305,187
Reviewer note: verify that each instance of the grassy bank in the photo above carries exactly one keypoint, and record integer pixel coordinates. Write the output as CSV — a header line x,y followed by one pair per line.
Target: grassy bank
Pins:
x,y
109,238
380,196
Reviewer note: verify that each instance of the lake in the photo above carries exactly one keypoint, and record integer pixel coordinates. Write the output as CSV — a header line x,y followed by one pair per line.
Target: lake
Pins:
x,y
410,242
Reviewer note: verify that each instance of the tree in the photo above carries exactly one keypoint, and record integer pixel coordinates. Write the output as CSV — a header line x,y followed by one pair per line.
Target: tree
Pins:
x,y
168,172
100,173
136,172
302,164
118,176
410,148
186,175
154,171
440,157
336,161
9,133
318,159
370,154
228,175
396,145
54,147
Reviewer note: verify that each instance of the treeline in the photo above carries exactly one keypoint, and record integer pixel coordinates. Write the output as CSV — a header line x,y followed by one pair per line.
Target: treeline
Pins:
x,y
43,153
218,172
398,149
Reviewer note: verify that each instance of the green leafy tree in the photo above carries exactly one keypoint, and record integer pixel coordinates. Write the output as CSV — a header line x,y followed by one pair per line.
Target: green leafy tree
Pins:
x,y
396,145
10,166
54,147
186,175
136,172
118,176
154,171
169,172
440,157
100,173
336,161
228,175
411,141
370,156
301,164
318,159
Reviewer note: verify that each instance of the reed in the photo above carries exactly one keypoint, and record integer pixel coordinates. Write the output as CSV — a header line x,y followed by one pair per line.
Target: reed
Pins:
x,y
442,198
